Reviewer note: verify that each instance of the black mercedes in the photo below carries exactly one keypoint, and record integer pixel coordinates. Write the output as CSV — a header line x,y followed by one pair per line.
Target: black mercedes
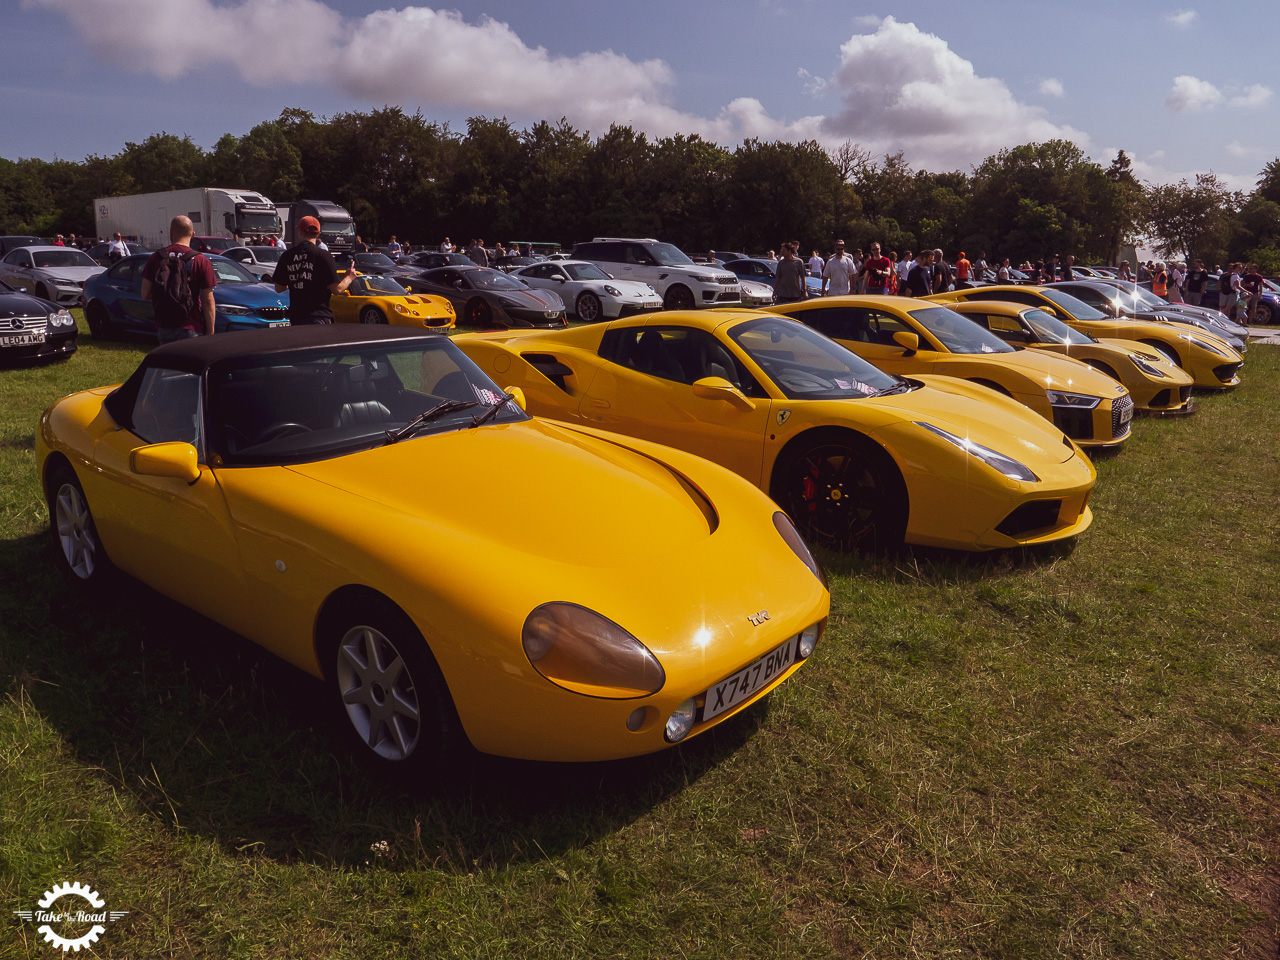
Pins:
x,y
32,329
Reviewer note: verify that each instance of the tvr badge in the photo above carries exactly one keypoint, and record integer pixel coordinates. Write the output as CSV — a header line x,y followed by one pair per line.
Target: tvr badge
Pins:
x,y
758,618
783,416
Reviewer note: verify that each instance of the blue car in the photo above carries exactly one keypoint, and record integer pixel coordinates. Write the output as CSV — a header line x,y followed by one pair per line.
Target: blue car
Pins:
x,y
765,271
1267,312
113,303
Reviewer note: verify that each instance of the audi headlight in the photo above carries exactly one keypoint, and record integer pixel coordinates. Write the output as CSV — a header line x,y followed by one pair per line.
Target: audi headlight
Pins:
x,y
793,540
1204,344
1076,401
1145,367
579,650
1008,466
61,319
612,291
231,310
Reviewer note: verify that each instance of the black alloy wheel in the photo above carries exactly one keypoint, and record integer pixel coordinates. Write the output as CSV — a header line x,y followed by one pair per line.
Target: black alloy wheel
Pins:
x,y
678,298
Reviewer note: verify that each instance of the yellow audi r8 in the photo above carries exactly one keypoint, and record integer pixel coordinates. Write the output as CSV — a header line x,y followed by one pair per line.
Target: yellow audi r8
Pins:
x,y
1212,363
312,488
856,456
906,336
374,299
1155,383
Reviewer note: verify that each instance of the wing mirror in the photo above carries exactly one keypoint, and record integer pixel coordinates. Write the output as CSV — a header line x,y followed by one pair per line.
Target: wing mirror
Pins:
x,y
457,284
910,342
718,388
174,459
518,395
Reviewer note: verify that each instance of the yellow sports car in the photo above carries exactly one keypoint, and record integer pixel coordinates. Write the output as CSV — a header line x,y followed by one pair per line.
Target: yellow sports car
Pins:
x,y
906,336
856,456
316,489
1156,384
1210,361
372,299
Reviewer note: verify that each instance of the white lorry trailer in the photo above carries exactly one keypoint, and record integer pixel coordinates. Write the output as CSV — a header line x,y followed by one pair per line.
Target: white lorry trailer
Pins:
x,y
215,211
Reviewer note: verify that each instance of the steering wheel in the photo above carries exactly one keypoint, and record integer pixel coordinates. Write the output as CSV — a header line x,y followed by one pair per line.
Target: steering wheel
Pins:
x,y
801,381
276,431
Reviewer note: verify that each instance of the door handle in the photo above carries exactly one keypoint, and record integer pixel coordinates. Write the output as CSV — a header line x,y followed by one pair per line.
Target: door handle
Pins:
x,y
597,402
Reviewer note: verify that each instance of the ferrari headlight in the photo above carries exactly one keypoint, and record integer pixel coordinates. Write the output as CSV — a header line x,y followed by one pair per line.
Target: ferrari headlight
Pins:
x,y
1205,344
1076,401
1008,466
401,308
579,650
233,310
1145,367
612,291
793,540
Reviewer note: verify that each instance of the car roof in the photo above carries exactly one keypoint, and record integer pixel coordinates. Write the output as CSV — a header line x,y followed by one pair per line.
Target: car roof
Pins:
x,y
196,354
46,246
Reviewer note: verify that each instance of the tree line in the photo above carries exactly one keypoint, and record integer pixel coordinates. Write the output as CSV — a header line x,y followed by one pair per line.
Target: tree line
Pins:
x,y
399,173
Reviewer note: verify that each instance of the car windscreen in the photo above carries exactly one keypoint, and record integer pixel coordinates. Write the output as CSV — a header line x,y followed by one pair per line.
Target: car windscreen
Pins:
x,y
957,333
374,260
266,254
1050,329
486,279
805,365
318,403
384,286
668,255
228,271
62,258
584,271
1072,305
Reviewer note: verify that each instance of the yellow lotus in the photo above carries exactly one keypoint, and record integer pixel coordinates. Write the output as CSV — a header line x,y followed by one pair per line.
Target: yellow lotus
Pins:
x,y
1156,384
906,336
317,489
372,299
1212,363
857,457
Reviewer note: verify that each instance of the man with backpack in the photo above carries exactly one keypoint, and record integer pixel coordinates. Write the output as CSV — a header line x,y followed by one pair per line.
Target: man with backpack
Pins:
x,y
179,282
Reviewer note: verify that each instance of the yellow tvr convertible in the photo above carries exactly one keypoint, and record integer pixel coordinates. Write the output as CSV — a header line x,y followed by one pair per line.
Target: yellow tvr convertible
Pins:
x,y
314,489
1156,384
373,299
905,336
1212,363
857,457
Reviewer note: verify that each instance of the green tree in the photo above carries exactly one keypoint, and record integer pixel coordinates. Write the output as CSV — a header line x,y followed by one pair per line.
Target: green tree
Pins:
x,y
1191,219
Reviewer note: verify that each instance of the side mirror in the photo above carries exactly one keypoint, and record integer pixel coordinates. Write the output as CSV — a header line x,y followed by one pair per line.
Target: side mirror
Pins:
x,y
518,395
1049,310
909,342
457,284
718,388
561,278
174,459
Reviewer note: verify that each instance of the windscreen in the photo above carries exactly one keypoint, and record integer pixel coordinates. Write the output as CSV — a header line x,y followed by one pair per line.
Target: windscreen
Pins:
x,y
584,271
668,255
62,258
486,279
958,333
1052,330
1075,307
805,365
228,271
384,286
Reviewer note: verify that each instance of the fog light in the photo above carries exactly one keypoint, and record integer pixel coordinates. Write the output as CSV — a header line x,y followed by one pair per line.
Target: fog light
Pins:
x,y
681,722
809,638
637,718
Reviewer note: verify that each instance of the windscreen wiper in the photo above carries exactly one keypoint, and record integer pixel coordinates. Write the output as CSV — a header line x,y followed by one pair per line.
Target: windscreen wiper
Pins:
x,y
435,413
492,410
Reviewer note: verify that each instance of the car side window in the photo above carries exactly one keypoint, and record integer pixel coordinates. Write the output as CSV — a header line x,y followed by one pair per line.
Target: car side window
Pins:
x,y
1000,324
123,271
168,407
839,323
19,258
885,325
681,354
1014,296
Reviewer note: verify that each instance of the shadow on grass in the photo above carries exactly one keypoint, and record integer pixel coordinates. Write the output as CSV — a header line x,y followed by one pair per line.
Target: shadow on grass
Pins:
x,y
212,734
939,565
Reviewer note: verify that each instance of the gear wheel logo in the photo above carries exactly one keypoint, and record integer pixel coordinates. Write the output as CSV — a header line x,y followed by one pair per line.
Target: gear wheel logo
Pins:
x,y
70,913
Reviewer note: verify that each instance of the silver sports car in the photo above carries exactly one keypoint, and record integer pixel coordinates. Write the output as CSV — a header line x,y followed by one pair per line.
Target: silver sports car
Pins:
x,y
50,273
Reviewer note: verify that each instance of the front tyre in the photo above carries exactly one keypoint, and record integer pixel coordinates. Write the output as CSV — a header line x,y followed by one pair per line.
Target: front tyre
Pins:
x,y
478,313
394,701
99,322
844,494
372,315
588,307
678,298
74,531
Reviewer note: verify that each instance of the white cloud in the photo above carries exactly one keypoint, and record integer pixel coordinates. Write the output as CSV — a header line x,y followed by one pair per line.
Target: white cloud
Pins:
x,y
1182,19
1051,87
1152,169
898,87
1190,94
1238,149
1253,97
903,88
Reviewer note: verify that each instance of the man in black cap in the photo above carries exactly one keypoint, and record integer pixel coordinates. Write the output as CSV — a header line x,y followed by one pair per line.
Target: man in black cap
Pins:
x,y
310,276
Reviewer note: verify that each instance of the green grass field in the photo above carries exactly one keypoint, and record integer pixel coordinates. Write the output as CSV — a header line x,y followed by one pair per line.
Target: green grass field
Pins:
x,y
1074,754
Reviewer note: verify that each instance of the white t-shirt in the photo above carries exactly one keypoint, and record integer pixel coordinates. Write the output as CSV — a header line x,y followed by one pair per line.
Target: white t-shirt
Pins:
x,y
904,267
839,273
281,244
816,263
446,247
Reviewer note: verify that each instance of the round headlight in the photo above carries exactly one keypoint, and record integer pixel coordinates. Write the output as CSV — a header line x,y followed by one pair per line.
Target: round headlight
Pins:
x,y
401,308
809,638
579,650
681,722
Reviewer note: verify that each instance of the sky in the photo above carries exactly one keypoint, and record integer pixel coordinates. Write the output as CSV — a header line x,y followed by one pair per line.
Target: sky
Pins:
x,y
1181,89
